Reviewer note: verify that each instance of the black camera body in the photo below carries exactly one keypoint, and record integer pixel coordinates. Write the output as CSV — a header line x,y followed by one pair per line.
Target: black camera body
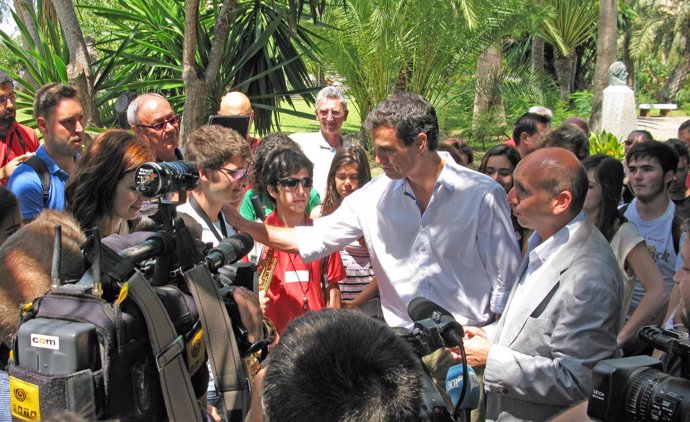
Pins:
x,y
637,388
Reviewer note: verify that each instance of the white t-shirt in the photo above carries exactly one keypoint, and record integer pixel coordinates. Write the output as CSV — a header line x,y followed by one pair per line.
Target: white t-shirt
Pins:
x,y
658,236
207,234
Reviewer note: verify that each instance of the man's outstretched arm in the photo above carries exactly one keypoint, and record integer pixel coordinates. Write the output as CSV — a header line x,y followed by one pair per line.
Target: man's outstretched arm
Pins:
x,y
282,238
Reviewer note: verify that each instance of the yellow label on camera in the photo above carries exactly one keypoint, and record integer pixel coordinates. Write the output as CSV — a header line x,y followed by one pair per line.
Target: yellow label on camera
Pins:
x,y
196,351
124,290
24,400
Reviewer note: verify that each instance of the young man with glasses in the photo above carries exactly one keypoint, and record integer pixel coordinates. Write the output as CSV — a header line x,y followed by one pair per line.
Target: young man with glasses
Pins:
x,y
295,287
223,158
40,183
17,142
152,118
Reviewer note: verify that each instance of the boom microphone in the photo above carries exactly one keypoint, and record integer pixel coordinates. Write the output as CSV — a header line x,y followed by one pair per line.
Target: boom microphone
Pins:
x,y
421,308
229,250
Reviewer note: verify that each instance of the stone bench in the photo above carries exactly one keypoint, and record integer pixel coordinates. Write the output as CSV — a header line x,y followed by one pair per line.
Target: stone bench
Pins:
x,y
664,109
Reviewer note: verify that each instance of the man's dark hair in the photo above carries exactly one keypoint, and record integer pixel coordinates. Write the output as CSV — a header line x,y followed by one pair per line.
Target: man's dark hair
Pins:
x,y
409,114
680,147
282,163
665,155
643,133
685,126
527,123
336,365
48,96
569,137
5,78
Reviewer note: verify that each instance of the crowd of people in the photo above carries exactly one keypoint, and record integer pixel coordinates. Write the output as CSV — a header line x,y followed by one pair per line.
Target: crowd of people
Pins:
x,y
538,254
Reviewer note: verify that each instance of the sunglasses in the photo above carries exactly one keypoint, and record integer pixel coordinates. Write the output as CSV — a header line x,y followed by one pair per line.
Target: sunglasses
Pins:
x,y
292,182
235,174
175,119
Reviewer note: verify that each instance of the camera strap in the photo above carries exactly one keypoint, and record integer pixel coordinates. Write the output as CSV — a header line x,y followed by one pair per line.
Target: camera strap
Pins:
x,y
197,208
167,346
231,379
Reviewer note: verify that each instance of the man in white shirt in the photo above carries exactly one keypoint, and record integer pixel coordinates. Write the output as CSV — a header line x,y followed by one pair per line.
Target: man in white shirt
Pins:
x,y
320,147
433,228
651,169
562,315
223,157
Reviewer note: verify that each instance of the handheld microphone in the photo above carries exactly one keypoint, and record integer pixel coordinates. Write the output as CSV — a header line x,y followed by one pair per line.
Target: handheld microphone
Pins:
x,y
421,308
454,385
229,250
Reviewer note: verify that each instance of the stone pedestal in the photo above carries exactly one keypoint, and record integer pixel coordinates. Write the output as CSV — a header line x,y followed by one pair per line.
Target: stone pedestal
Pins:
x,y
618,112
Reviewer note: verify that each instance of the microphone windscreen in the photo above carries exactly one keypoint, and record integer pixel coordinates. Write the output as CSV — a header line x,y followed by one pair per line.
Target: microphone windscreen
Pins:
x,y
454,382
422,308
235,247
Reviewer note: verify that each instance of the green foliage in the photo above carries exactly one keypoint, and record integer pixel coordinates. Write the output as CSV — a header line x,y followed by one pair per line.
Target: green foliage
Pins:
x,y
581,103
606,143
573,23
263,56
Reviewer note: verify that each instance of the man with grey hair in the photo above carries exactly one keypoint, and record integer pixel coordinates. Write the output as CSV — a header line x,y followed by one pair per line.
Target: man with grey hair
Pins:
x,y
151,117
320,147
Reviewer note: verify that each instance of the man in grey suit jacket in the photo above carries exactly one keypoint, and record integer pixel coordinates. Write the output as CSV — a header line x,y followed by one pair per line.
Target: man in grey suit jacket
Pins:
x,y
562,314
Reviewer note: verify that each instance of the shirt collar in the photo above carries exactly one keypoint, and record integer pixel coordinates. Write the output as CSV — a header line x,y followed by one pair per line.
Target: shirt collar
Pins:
x,y
541,250
445,179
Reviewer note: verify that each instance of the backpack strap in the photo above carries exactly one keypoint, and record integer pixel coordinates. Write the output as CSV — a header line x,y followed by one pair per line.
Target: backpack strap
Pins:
x,y
232,381
41,170
167,346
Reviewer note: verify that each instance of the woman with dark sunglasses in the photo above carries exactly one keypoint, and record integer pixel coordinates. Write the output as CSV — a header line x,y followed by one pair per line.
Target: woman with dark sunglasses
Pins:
x,y
290,287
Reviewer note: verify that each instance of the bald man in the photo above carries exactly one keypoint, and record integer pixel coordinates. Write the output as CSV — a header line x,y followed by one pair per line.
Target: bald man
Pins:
x,y
562,314
152,118
237,104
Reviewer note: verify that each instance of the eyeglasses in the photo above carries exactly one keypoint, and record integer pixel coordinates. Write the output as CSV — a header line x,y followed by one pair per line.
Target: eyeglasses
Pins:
x,y
11,97
235,174
173,120
292,182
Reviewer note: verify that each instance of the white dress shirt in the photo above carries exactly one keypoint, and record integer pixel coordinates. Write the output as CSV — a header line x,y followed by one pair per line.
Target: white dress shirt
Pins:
x,y
460,253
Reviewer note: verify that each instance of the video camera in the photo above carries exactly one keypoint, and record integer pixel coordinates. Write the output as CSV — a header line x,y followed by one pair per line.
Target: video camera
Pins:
x,y
435,328
639,388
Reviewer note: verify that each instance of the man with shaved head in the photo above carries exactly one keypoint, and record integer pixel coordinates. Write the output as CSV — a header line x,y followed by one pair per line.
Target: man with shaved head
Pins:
x,y
236,103
152,118
562,314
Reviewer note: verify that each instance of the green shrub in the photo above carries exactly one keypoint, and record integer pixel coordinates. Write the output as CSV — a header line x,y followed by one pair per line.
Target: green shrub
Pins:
x,y
606,143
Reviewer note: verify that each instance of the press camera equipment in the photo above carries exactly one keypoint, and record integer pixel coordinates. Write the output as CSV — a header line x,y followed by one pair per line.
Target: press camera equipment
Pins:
x,y
435,328
155,180
639,388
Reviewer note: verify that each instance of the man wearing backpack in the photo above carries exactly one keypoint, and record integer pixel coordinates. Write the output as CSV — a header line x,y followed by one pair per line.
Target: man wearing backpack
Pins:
x,y
651,169
40,182
17,142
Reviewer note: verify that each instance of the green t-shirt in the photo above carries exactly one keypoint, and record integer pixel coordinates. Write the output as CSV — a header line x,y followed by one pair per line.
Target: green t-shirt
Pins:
x,y
247,210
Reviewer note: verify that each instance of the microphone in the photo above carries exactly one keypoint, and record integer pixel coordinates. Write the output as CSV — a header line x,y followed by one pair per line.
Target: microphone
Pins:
x,y
158,244
454,384
229,250
421,308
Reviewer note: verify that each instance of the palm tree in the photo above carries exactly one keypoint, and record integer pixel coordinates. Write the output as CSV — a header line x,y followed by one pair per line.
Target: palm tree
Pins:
x,y
665,30
572,24
606,55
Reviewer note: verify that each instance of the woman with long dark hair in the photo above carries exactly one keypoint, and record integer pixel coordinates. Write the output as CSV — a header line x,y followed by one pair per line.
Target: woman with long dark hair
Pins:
x,y
350,171
605,176
101,192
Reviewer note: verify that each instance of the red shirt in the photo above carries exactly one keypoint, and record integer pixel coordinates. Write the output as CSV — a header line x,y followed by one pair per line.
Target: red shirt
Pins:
x,y
20,139
296,284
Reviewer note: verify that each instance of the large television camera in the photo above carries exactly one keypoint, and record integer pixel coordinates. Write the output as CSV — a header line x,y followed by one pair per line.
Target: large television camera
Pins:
x,y
435,328
639,388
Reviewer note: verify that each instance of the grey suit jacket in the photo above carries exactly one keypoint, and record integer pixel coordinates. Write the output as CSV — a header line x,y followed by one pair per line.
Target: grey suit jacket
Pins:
x,y
567,324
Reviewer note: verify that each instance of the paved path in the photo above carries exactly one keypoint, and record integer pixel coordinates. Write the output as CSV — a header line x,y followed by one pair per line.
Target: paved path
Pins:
x,y
661,127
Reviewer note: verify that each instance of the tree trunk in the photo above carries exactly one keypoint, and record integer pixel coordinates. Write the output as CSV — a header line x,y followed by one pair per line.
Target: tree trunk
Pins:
x,y
537,57
672,86
564,66
21,8
197,80
79,67
488,93
606,55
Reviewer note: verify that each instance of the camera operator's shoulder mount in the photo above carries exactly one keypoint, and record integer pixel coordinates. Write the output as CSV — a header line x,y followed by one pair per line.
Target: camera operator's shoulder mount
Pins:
x,y
119,345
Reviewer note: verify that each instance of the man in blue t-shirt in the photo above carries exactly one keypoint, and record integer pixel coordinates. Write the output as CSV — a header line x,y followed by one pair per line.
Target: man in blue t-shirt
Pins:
x,y
60,118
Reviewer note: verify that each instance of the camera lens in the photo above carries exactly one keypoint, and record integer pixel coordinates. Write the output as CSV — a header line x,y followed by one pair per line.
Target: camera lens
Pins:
x,y
654,395
157,179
